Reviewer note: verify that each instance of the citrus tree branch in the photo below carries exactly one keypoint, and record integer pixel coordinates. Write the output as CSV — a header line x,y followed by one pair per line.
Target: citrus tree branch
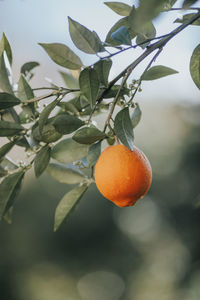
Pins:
x,y
157,45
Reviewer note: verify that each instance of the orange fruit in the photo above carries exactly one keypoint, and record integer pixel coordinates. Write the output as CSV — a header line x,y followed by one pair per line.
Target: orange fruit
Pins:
x,y
123,176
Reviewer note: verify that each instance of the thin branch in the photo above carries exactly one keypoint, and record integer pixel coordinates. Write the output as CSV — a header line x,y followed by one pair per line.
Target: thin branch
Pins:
x,y
157,45
54,93
146,69
189,8
115,100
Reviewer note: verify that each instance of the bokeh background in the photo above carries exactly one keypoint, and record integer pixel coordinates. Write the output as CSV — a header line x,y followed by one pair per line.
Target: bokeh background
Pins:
x,y
149,251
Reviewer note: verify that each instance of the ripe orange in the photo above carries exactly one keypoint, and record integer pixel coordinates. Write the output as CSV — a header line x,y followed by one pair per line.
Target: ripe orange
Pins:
x,y
123,176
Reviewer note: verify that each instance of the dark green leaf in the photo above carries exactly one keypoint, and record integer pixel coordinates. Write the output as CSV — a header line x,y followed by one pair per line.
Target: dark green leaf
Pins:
x,y
122,36
102,67
67,203
148,31
45,114
93,154
5,149
123,128
89,85
88,135
14,194
49,134
63,55
41,160
66,124
114,90
195,66
28,67
68,150
83,38
65,174
69,80
158,72
120,8
186,18
5,46
7,188
9,128
122,22
5,85
136,115
8,100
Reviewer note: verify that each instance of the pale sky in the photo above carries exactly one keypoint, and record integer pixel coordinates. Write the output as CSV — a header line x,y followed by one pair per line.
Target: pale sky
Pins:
x,y
28,22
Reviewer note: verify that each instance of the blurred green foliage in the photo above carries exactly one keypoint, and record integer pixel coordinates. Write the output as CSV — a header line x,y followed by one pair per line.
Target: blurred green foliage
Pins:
x,y
148,251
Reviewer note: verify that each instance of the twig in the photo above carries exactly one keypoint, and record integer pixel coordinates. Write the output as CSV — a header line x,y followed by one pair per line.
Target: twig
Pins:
x,y
54,93
115,100
146,69
157,45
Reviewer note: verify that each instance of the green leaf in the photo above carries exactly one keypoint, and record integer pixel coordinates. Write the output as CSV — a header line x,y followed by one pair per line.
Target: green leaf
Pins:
x,y
102,67
62,55
24,90
14,195
69,80
66,124
9,128
5,85
122,22
148,31
83,38
5,149
5,46
67,203
122,36
93,154
7,188
123,128
28,67
89,85
88,135
99,42
158,72
114,90
68,150
195,66
25,93
8,100
136,115
146,12
41,160
49,133
45,114
186,18
120,8
65,174
188,3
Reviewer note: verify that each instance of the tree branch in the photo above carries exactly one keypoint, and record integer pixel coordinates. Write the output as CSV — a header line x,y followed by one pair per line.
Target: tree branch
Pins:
x,y
148,51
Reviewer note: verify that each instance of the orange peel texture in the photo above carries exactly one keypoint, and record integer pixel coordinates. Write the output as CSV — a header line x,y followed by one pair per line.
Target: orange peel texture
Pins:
x,y
123,176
